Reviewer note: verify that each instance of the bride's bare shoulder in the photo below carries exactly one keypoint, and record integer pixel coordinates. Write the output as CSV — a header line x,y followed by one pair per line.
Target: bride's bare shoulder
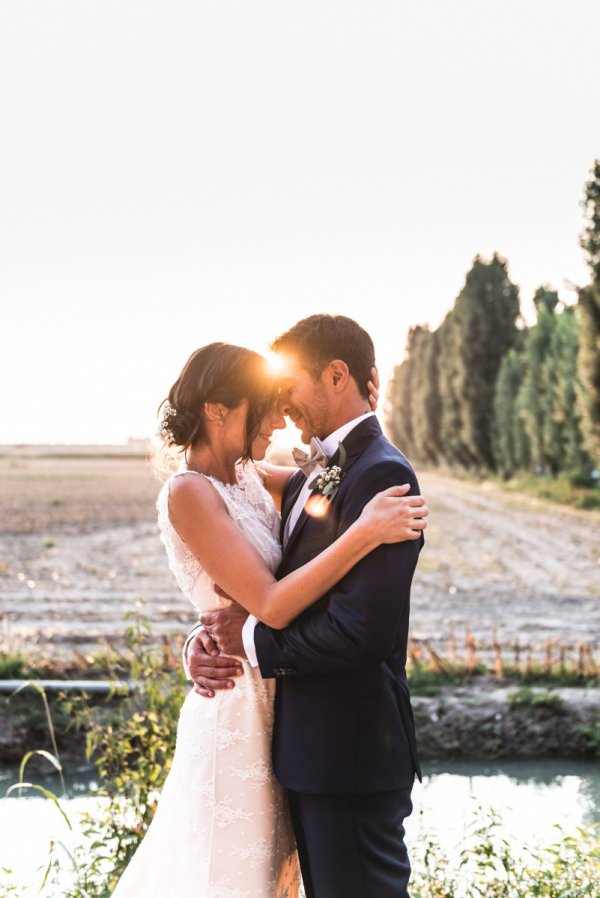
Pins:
x,y
192,493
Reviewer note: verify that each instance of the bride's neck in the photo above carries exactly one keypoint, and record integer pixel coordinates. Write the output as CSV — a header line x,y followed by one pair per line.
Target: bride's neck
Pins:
x,y
213,460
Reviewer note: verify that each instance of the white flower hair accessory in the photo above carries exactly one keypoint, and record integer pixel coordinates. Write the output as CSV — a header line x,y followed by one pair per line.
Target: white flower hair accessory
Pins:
x,y
165,431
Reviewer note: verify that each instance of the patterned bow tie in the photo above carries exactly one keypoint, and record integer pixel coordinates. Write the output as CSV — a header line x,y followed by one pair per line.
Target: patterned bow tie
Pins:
x,y
306,461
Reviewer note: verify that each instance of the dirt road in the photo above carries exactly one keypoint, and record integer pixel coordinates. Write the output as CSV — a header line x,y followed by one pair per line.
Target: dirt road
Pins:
x,y
529,568
79,548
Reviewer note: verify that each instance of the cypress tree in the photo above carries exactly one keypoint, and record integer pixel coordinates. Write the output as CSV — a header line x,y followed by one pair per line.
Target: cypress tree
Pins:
x,y
396,411
452,447
588,313
486,312
425,414
412,407
535,395
562,380
511,447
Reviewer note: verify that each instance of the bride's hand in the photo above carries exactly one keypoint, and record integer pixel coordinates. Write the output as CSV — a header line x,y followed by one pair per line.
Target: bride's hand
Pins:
x,y
392,517
373,388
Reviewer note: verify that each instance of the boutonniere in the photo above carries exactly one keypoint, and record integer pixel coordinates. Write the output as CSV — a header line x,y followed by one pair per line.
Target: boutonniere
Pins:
x,y
327,483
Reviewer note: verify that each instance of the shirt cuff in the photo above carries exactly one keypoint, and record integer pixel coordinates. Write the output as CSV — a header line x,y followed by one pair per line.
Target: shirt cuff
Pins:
x,y
248,640
184,651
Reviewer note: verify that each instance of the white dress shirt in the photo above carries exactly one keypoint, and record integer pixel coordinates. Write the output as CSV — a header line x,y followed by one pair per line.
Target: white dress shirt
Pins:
x,y
330,446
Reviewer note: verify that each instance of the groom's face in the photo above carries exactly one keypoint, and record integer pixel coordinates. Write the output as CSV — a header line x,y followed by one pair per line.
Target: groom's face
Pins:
x,y
305,401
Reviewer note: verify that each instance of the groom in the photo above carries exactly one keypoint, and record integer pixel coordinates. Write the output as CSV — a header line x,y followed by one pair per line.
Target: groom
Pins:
x,y
344,740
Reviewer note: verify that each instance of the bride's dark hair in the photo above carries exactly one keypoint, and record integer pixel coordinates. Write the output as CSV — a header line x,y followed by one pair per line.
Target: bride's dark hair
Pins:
x,y
219,372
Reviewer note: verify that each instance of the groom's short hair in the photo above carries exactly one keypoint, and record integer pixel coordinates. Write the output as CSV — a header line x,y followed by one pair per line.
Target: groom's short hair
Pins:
x,y
319,339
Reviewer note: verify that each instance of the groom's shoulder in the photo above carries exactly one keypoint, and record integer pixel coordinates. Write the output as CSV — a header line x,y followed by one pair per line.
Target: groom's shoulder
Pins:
x,y
381,452
382,464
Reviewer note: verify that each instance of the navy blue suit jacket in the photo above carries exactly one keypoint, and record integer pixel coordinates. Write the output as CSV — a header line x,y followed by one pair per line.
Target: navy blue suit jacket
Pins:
x,y
343,720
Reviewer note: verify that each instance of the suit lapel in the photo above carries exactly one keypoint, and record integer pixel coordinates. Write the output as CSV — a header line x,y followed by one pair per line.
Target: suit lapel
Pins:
x,y
354,445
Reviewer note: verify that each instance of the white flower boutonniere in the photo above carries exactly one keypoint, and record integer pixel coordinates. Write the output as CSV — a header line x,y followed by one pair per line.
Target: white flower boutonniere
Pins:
x,y
327,483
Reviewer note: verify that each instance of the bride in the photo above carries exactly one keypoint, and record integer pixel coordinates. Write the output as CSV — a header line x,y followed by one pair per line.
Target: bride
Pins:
x,y
222,828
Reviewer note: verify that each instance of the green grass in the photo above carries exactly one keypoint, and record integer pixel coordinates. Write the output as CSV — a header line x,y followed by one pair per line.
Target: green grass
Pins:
x,y
561,489
591,738
527,698
538,675
426,680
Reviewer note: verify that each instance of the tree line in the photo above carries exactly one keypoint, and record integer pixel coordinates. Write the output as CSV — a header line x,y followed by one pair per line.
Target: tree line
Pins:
x,y
484,392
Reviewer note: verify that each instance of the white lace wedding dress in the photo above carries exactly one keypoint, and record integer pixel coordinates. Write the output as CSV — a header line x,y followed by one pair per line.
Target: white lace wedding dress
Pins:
x,y
222,828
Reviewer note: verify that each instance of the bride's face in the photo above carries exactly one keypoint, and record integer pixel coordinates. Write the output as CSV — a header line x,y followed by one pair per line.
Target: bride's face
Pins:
x,y
273,420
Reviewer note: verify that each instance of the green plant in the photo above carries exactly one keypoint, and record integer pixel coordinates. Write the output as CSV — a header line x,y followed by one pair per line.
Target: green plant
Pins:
x,y
529,698
131,743
132,751
589,500
12,667
540,675
590,736
491,867
424,679
563,489
132,747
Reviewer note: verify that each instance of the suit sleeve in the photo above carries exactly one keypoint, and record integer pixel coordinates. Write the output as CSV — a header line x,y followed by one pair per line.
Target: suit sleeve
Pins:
x,y
357,628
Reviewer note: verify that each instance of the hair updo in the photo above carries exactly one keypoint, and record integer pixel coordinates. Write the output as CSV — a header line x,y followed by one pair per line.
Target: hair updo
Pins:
x,y
219,372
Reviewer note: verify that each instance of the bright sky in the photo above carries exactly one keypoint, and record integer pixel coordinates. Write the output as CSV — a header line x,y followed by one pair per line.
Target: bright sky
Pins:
x,y
173,173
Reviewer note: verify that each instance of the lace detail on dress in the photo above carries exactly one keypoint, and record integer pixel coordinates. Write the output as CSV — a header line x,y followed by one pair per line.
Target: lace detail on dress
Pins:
x,y
222,828
257,775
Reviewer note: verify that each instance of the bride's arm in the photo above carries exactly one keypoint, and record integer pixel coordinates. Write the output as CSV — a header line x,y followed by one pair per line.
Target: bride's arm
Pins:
x,y
199,516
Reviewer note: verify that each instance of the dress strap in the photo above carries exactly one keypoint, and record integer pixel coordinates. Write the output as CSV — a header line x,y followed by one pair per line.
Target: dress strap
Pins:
x,y
187,471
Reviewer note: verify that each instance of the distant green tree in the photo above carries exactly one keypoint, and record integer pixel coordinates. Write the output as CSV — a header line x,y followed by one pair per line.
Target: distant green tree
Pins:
x,y
396,411
590,239
563,436
440,400
588,314
511,446
425,415
535,396
412,407
452,445
485,317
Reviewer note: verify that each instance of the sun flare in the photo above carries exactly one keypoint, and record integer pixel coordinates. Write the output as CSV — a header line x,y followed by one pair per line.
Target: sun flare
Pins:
x,y
317,506
275,363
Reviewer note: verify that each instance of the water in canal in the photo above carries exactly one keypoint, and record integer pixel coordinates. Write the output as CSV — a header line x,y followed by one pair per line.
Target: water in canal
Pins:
x,y
532,797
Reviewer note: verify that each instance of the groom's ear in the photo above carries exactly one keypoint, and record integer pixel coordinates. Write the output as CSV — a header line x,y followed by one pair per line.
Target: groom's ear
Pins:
x,y
338,375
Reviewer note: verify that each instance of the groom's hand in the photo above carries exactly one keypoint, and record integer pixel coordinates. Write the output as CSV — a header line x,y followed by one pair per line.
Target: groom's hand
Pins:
x,y
208,669
225,628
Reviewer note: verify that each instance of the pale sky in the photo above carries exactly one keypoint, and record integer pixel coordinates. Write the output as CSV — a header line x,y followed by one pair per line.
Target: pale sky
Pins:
x,y
173,173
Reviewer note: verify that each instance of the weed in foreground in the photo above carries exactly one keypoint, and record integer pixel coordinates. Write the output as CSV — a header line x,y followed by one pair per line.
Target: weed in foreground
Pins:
x,y
132,751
